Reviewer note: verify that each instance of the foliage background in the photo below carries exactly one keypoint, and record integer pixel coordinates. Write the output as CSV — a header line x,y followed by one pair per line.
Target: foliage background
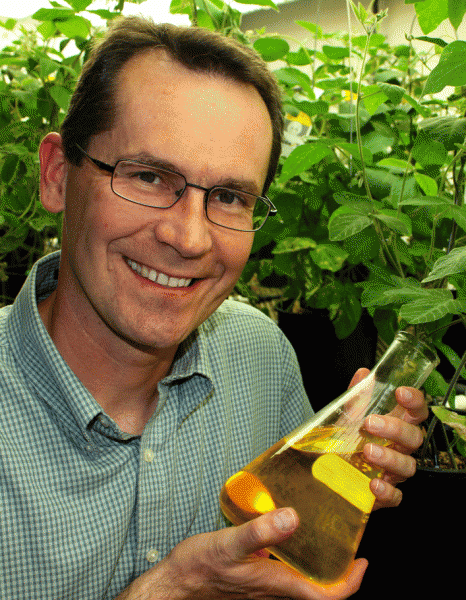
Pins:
x,y
371,203
379,150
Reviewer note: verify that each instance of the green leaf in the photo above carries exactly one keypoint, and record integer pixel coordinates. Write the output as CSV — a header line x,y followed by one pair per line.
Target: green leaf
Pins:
x,y
454,420
205,20
299,58
259,3
53,14
424,112
353,150
458,213
398,222
427,184
335,52
373,97
345,222
61,96
394,93
456,10
435,385
312,27
430,13
74,27
294,244
396,164
380,281
450,69
79,5
424,311
362,247
329,257
289,205
449,130
271,48
301,158
349,313
295,77
9,167
181,7
47,67
427,201
46,29
452,357
414,292
319,107
454,262
8,24
428,151
437,41
108,15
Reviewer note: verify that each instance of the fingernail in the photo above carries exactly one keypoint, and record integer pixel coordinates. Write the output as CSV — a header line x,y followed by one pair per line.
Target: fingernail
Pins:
x,y
284,520
407,395
375,451
379,486
376,422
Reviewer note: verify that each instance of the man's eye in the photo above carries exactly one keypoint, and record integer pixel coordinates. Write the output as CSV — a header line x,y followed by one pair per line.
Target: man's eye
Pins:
x,y
227,197
147,176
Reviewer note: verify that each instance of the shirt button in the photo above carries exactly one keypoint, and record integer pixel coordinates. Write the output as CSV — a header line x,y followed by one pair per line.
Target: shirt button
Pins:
x,y
152,555
148,455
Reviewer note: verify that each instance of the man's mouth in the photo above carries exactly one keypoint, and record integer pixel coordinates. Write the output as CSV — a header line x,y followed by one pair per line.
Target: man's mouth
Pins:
x,y
157,276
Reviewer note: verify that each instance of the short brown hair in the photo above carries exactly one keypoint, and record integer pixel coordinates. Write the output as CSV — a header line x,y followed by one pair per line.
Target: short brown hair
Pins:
x,y
92,108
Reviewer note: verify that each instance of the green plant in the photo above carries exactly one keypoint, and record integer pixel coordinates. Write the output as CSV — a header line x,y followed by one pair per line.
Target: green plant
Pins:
x,y
371,213
38,71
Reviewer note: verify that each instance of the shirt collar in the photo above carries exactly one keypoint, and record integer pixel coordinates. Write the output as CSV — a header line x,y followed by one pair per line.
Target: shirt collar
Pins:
x,y
50,375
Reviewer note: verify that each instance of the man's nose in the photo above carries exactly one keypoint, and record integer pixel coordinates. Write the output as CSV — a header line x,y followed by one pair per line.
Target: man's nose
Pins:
x,y
185,226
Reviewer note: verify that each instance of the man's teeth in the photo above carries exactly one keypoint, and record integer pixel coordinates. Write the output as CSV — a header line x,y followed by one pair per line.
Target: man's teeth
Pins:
x,y
160,278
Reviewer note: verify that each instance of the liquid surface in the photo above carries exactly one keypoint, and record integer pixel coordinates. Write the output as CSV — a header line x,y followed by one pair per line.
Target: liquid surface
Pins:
x,y
331,497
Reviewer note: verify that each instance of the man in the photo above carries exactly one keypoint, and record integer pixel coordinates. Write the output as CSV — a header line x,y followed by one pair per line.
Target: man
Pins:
x,y
130,390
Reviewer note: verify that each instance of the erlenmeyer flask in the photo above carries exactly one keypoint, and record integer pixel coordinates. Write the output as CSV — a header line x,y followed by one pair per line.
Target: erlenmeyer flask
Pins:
x,y
320,471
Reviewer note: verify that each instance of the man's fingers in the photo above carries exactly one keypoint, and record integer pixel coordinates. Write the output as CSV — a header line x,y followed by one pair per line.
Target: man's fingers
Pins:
x,y
267,530
358,376
406,437
412,406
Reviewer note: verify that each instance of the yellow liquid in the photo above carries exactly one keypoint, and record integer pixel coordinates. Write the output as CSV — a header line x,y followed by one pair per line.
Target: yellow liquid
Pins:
x,y
331,523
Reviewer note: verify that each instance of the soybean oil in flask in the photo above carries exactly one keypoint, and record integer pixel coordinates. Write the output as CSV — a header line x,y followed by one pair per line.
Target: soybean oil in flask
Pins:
x,y
320,471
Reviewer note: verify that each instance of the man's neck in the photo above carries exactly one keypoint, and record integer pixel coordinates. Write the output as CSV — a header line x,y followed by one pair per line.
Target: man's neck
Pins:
x,y
122,379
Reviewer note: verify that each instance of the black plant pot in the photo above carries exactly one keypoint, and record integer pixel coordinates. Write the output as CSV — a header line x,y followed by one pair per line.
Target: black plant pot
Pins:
x,y
327,363
417,549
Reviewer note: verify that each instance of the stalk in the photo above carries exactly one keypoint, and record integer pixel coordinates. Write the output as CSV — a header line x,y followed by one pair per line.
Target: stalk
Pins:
x,y
358,119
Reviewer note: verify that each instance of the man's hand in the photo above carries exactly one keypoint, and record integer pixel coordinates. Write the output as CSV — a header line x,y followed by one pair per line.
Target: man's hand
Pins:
x,y
400,426
223,565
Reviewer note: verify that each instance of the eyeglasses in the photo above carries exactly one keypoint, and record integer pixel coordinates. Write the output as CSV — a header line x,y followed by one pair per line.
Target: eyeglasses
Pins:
x,y
152,186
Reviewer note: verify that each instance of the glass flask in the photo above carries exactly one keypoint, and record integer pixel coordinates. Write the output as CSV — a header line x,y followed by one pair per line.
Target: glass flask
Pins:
x,y
319,468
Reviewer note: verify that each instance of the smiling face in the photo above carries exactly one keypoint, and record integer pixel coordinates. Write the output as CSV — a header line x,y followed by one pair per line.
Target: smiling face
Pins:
x,y
148,275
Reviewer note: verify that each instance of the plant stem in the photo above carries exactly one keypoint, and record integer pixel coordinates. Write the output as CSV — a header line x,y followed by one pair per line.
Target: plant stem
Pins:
x,y
194,17
358,119
435,420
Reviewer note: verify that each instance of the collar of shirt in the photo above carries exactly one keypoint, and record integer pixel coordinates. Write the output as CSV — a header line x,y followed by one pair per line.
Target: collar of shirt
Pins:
x,y
58,386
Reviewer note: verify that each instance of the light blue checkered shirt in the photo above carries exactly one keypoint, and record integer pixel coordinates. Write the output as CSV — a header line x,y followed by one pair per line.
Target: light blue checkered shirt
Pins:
x,y
86,508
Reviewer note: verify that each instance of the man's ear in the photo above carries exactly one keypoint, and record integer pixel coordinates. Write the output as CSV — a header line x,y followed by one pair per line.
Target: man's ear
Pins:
x,y
53,172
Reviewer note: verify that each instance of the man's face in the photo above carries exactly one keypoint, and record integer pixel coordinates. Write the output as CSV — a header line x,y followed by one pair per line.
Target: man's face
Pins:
x,y
212,130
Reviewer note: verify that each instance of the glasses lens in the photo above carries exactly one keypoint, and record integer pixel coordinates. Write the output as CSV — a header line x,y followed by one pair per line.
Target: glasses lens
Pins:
x,y
147,185
236,209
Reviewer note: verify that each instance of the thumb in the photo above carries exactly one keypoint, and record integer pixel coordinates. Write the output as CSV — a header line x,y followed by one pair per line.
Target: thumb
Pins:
x,y
267,530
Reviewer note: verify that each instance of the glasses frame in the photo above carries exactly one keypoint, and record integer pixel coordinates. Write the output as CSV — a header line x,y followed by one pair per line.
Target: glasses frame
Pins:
x,y
111,169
